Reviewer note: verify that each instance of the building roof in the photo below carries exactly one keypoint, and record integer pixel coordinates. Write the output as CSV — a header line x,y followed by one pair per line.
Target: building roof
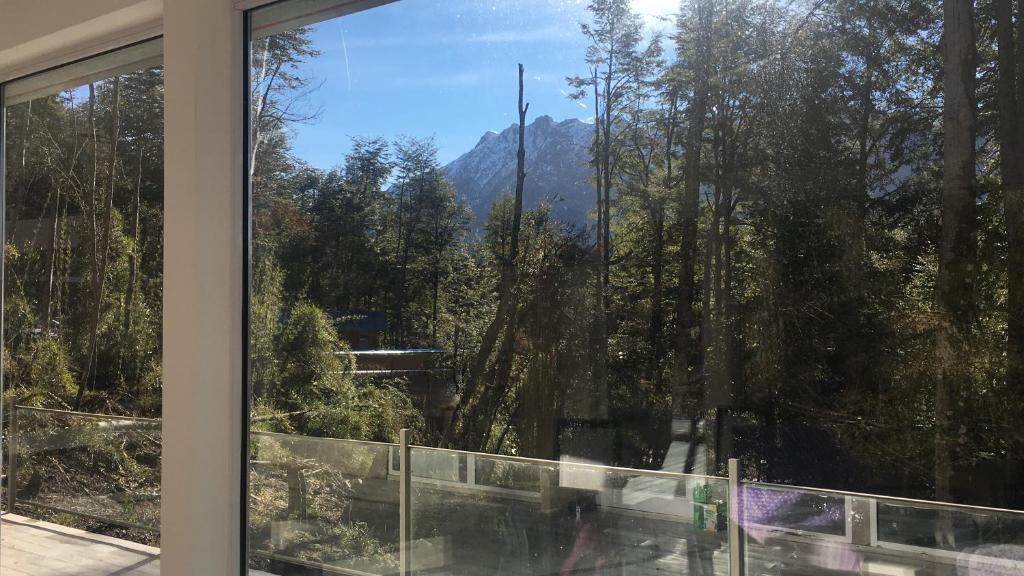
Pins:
x,y
356,320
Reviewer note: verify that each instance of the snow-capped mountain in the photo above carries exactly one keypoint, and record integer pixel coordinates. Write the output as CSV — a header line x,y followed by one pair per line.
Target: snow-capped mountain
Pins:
x,y
557,170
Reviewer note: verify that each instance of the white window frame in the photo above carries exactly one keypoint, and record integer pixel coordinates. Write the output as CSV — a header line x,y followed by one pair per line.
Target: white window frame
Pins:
x,y
202,514
203,481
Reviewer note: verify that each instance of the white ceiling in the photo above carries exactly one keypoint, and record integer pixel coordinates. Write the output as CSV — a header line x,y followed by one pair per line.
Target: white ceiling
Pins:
x,y
35,35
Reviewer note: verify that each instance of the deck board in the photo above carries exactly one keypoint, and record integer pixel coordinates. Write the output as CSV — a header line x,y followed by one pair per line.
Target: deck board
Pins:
x,y
30,547
40,548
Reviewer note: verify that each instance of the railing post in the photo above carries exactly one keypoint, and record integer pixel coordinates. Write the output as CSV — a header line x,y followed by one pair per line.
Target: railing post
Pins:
x,y
736,553
861,519
404,508
12,459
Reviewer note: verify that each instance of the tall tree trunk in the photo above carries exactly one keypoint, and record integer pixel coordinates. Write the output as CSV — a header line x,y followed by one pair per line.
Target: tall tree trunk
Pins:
x,y
14,203
689,208
657,323
90,209
958,241
500,375
598,171
710,273
707,328
100,273
479,409
260,103
435,282
133,257
855,253
407,224
503,364
1011,168
54,254
1011,140
398,290
606,174
434,289
517,213
852,346
657,320
599,335
728,337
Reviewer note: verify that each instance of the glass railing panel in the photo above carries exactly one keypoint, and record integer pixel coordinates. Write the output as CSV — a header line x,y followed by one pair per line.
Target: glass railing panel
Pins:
x,y
769,508
507,474
329,506
791,530
443,466
322,504
524,516
93,466
980,540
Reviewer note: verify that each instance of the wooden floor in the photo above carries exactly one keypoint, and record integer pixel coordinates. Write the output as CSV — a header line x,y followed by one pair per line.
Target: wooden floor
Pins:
x,y
30,547
37,548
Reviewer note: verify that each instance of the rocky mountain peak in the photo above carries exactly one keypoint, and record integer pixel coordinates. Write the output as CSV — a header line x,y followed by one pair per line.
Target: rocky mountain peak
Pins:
x,y
557,166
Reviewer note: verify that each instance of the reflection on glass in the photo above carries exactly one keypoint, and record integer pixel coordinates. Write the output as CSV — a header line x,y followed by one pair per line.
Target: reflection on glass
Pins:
x,y
796,511
806,531
322,502
57,455
973,531
566,519
83,265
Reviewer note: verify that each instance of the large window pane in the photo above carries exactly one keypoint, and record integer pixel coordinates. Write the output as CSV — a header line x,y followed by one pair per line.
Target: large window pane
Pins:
x,y
83,197
588,252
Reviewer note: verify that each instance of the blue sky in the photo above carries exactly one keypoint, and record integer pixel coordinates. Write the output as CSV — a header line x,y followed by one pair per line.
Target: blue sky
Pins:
x,y
444,68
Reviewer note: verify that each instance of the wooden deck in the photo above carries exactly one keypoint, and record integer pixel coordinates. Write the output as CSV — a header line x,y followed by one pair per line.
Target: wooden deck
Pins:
x,y
37,548
30,547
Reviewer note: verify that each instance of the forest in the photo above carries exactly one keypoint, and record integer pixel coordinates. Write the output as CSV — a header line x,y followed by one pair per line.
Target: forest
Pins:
x,y
806,250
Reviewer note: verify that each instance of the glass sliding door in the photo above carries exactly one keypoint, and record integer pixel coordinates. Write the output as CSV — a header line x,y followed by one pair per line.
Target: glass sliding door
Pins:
x,y
542,287
82,262
408,272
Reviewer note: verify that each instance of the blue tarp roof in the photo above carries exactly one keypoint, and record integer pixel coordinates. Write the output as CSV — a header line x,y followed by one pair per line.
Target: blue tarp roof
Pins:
x,y
360,320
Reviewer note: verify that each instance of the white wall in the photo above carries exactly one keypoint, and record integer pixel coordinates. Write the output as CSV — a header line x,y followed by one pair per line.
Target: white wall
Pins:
x,y
203,241
38,34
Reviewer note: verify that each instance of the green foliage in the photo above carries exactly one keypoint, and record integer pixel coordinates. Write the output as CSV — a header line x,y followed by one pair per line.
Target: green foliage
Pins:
x,y
49,369
312,366
264,321
316,385
84,253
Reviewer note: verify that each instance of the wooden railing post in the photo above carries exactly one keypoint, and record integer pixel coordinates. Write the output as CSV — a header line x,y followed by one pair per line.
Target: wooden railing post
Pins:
x,y
736,552
12,459
404,508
